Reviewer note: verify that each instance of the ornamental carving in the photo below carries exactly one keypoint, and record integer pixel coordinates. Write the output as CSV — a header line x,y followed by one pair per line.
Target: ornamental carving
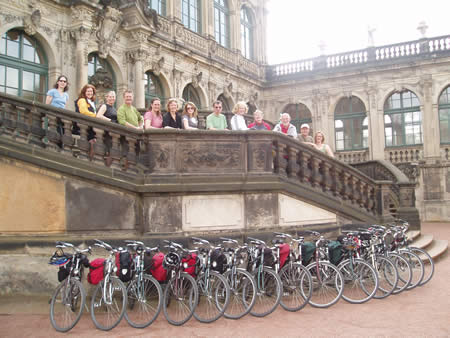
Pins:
x,y
152,16
140,36
101,79
31,23
223,156
197,79
157,66
110,22
228,90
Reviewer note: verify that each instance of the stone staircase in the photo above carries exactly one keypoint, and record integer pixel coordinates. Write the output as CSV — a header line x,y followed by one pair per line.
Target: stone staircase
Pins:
x,y
436,248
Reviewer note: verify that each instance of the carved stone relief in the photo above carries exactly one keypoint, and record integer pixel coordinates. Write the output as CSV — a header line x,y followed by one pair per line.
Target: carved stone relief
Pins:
x,y
222,156
110,22
31,23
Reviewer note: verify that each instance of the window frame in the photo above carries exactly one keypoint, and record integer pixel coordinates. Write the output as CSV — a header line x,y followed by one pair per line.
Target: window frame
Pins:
x,y
444,107
160,6
191,18
150,76
247,34
222,23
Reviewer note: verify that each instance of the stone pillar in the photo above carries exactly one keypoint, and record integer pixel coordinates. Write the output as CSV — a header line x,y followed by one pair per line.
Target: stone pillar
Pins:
x,y
81,35
376,127
208,18
235,30
139,89
430,121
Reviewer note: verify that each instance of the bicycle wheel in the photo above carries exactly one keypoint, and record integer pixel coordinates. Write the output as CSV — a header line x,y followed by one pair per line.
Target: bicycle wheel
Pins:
x,y
328,284
268,292
180,299
404,272
297,287
387,277
360,281
108,303
428,264
67,305
213,297
416,267
144,301
242,295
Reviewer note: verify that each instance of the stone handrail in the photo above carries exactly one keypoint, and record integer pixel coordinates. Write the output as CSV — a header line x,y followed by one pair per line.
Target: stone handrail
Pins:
x,y
175,160
394,53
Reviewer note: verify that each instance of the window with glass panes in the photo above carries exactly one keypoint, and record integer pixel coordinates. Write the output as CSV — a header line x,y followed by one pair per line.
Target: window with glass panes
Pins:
x,y
190,14
23,66
299,114
153,88
158,5
444,115
351,124
190,94
402,119
221,23
246,34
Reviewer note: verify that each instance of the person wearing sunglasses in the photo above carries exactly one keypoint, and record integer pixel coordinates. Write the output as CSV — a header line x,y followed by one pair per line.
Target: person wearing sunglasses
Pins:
x,y
189,117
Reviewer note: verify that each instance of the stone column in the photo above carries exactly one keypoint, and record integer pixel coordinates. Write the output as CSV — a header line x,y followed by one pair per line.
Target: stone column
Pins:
x,y
136,58
376,127
81,35
235,30
430,121
208,18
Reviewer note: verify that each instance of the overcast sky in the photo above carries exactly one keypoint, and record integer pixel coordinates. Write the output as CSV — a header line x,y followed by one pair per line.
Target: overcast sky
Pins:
x,y
295,27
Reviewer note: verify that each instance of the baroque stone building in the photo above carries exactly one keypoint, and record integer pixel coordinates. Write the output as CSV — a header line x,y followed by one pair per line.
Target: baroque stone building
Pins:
x,y
381,103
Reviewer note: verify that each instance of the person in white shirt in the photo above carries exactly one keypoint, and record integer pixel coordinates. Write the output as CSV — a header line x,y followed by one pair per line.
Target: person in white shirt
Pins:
x,y
238,121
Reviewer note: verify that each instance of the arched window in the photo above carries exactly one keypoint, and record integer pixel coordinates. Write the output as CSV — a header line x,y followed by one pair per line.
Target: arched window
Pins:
x,y
222,22
191,15
246,34
153,88
23,66
158,5
190,94
402,119
444,115
226,104
299,114
100,75
351,124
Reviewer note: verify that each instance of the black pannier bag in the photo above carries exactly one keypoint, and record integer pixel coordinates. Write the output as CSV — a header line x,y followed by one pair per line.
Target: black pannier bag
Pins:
x,y
64,271
269,260
218,261
124,263
148,261
308,249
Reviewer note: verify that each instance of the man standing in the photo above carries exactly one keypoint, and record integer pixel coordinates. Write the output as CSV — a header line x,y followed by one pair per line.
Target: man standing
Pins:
x,y
285,126
216,120
304,134
259,123
127,115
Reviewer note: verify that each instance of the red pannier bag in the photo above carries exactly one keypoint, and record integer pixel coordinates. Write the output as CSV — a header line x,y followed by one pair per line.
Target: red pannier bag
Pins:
x,y
191,261
157,270
284,253
96,268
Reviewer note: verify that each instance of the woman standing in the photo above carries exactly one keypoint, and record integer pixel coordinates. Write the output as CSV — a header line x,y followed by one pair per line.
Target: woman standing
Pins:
x,y
57,96
238,121
189,116
153,117
85,104
319,140
107,111
172,119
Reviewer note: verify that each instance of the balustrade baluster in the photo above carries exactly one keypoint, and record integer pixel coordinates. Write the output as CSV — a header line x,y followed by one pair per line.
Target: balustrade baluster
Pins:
x,y
275,158
115,152
326,176
282,159
132,153
292,168
52,134
304,173
83,144
100,143
316,176
336,185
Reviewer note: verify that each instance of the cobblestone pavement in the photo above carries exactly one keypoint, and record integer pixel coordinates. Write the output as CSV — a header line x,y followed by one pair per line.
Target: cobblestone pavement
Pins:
x,y
421,312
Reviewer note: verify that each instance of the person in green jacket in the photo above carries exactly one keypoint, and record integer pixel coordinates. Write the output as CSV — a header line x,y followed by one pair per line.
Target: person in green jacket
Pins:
x,y
128,115
216,120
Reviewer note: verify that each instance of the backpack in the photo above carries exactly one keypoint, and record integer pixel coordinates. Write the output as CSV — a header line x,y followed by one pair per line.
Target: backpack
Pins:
x,y
284,253
96,268
157,270
218,261
191,261
125,268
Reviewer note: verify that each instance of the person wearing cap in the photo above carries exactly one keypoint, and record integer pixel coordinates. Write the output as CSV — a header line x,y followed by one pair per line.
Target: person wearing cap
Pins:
x,y
285,126
304,134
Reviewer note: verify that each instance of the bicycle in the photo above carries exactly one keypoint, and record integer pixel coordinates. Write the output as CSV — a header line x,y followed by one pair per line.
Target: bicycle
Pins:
x,y
181,292
328,282
268,283
214,291
360,278
241,282
144,293
109,299
296,280
69,298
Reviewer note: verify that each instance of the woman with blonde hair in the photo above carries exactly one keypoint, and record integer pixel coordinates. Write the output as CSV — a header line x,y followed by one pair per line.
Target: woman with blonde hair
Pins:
x,y
319,140
189,116
238,121
107,111
172,119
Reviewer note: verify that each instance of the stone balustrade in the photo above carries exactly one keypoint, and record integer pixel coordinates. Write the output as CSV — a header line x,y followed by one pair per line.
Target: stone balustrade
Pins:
x,y
404,154
161,161
395,54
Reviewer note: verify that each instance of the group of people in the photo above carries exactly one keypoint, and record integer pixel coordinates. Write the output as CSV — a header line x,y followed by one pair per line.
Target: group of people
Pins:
x,y
129,116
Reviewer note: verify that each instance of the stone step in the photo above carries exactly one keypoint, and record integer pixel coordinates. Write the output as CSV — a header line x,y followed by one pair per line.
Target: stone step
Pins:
x,y
437,249
412,234
422,241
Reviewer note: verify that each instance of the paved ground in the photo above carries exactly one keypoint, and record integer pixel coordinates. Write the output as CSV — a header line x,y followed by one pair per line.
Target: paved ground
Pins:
x,y
422,312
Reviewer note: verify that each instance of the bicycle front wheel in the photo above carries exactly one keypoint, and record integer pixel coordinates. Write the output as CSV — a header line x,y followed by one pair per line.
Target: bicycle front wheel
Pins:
x,y
180,299
428,264
387,277
67,305
297,287
268,292
404,272
328,284
144,301
360,281
213,297
108,303
242,295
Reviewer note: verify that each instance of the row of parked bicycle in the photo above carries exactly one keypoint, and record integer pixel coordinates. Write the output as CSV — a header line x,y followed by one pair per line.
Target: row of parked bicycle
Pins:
x,y
232,279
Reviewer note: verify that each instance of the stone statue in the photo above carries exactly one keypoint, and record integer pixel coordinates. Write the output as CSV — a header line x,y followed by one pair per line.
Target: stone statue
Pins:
x,y
370,39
